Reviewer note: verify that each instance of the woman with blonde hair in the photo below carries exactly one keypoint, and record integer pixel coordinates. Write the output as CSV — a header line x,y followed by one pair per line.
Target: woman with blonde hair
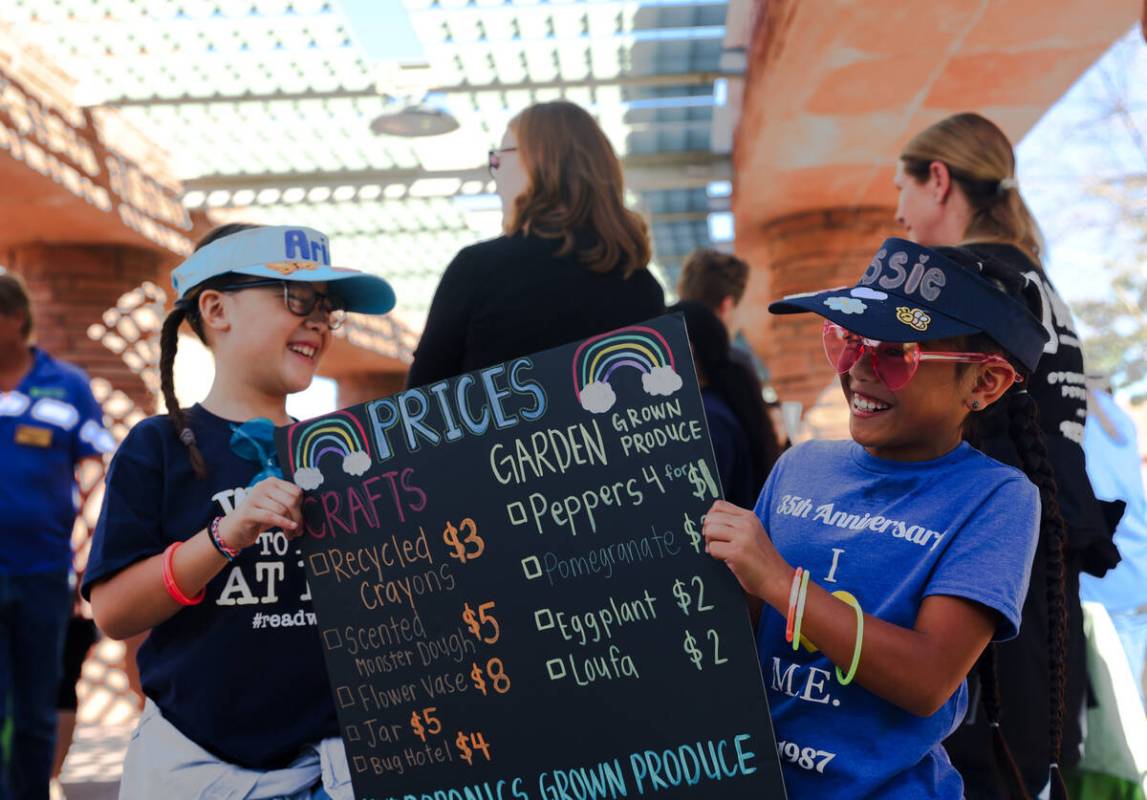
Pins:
x,y
957,185
571,263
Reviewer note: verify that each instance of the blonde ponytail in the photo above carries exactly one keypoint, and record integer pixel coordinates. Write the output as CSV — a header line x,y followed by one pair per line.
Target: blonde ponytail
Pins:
x,y
982,163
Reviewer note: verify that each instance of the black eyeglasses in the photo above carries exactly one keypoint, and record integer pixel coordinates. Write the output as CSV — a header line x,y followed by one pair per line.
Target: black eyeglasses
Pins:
x,y
300,298
494,158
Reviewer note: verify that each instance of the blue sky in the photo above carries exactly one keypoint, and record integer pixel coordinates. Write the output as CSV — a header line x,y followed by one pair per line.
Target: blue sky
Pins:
x,y
1079,149
382,28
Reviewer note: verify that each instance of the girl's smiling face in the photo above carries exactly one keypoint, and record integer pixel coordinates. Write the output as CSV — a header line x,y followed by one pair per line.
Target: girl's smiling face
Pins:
x,y
256,337
925,418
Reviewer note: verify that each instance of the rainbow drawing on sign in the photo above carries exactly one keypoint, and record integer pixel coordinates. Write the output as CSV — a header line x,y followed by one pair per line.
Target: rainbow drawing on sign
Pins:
x,y
636,347
339,434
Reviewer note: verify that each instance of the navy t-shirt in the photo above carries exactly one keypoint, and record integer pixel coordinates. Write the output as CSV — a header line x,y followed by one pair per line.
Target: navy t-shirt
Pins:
x,y
731,449
889,533
48,424
242,673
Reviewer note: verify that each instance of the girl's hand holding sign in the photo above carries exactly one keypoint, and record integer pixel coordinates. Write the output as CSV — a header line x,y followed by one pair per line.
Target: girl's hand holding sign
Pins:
x,y
735,535
271,503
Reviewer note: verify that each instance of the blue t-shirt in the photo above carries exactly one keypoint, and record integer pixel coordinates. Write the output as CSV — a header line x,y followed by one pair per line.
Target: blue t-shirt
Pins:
x,y
48,424
242,673
1113,466
890,533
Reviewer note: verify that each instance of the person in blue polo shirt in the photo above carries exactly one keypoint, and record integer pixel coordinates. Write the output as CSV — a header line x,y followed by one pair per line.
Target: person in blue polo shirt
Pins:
x,y
49,423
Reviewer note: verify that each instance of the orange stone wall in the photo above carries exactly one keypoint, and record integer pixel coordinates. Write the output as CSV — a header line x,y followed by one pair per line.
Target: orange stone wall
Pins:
x,y
832,90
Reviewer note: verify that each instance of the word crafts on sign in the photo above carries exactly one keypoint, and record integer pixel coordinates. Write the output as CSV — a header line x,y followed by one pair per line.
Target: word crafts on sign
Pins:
x,y
512,586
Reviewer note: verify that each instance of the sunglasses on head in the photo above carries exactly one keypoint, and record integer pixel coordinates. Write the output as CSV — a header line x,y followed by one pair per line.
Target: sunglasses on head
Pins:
x,y
494,158
895,363
300,299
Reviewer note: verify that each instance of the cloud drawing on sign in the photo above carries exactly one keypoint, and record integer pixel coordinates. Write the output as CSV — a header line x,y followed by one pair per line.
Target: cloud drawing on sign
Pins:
x,y
356,463
662,381
846,305
307,478
598,397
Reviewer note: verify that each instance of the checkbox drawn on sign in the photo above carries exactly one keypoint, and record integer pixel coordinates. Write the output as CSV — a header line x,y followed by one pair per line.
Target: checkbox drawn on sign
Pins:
x,y
346,698
516,511
352,734
332,638
557,669
319,564
359,764
532,567
544,619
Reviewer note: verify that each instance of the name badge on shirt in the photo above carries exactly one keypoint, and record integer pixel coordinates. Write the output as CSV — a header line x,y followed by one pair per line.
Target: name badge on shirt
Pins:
x,y
33,436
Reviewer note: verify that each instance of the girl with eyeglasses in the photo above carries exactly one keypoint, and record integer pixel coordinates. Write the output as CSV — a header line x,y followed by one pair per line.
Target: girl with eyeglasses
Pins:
x,y
572,261
194,541
889,562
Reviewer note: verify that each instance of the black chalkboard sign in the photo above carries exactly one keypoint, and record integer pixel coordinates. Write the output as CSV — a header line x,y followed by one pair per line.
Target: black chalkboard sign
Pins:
x,y
512,590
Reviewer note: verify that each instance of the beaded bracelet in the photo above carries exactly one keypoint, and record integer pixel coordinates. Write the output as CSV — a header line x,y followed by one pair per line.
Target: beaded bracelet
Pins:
x,y
847,679
794,589
229,553
169,579
801,597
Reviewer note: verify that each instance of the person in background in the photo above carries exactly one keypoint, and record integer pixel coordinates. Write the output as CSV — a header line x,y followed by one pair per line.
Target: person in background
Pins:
x,y
716,280
49,424
571,263
957,185
1113,464
744,442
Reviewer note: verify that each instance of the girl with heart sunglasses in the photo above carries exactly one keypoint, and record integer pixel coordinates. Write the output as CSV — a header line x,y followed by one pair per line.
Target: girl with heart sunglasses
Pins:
x,y
887,564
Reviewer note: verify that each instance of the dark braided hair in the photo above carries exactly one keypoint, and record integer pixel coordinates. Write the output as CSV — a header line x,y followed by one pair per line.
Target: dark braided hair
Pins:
x,y
188,309
1028,437
1031,448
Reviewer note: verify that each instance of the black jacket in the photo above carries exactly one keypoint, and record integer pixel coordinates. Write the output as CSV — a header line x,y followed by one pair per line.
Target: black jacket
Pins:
x,y
511,296
1059,391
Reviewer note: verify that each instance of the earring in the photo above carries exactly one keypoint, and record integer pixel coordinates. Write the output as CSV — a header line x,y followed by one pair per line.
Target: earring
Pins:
x,y
974,405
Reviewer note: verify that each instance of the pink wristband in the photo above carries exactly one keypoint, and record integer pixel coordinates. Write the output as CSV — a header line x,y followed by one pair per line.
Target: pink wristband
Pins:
x,y
229,553
169,579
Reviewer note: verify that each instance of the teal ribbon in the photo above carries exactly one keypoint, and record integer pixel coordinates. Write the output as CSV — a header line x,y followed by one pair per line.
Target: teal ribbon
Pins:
x,y
254,441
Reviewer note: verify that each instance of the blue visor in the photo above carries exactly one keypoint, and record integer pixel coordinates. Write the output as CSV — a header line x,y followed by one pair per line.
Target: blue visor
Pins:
x,y
284,253
912,294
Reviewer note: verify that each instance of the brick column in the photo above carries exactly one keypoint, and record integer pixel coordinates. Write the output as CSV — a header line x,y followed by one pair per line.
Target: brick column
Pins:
x,y
71,286
359,387
803,253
